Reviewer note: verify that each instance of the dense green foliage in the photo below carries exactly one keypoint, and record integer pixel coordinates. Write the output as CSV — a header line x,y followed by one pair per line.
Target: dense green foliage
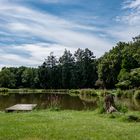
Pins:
x,y
120,67
19,77
68,125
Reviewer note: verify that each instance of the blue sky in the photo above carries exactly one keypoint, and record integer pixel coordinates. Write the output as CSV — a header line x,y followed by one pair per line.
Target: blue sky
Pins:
x,y
31,29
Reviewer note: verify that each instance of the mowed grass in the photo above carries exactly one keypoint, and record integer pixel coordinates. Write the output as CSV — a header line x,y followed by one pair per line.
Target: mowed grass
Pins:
x,y
65,125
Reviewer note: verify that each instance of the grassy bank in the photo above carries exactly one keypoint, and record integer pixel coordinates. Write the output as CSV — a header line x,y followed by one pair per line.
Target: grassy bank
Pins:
x,y
117,92
28,91
93,92
66,125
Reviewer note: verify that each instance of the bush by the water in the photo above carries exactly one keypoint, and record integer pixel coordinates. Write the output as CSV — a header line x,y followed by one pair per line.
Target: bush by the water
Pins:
x,y
101,108
137,94
119,93
124,93
74,91
128,93
104,92
121,108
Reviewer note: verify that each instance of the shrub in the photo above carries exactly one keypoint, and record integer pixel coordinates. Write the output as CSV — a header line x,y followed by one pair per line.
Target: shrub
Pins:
x,y
125,93
124,85
101,108
119,92
104,92
88,92
128,93
121,108
3,89
72,91
137,94
93,93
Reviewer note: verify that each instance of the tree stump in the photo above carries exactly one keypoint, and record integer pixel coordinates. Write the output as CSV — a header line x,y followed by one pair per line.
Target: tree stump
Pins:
x,y
109,104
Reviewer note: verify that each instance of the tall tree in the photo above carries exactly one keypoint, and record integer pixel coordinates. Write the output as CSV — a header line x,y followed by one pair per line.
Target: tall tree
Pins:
x,y
50,73
67,63
85,68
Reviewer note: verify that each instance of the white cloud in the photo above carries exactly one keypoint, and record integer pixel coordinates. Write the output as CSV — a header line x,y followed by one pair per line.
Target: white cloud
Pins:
x,y
128,22
132,13
131,4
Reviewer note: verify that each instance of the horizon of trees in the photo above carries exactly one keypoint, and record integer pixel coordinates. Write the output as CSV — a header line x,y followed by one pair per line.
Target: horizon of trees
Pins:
x,y
120,67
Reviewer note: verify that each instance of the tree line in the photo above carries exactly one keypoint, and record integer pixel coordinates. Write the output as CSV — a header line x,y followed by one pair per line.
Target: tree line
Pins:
x,y
120,67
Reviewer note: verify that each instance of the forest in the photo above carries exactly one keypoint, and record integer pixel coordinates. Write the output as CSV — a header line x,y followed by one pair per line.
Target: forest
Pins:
x,y
118,68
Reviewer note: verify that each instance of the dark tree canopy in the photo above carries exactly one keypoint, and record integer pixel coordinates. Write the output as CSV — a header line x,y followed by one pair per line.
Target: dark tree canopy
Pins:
x,y
115,66
120,67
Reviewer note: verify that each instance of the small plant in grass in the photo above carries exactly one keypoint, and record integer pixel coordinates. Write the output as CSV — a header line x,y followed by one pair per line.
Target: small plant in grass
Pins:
x,y
54,104
101,108
131,118
112,116
115,115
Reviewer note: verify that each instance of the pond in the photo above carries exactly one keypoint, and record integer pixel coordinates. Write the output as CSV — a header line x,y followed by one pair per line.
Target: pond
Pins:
x,y
63,101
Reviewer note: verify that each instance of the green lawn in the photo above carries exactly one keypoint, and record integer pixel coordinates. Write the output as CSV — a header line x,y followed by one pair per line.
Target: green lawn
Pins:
x,y
65,125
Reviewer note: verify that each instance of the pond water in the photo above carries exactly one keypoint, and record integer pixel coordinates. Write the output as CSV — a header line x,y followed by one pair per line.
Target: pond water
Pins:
x,y
63,101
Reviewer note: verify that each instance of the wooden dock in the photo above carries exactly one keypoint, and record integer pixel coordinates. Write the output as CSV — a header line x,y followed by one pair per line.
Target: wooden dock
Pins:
x,y
21,107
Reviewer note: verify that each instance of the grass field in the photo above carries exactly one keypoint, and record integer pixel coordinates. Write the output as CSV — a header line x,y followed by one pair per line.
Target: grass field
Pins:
x,y
66,125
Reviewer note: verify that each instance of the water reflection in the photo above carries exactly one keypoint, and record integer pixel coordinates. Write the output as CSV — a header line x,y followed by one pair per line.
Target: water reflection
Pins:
x,y
43,101
65,101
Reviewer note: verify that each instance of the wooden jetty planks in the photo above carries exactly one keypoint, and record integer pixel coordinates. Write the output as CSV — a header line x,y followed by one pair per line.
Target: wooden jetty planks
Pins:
x,y
21,107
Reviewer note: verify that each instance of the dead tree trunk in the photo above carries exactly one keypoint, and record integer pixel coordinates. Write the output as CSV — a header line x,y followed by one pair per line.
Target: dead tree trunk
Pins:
x,y
109,103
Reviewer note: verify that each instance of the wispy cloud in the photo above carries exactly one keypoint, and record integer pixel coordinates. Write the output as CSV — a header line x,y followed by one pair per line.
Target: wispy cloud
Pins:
x,y
127,22
56,1
131,4
25,22
37,53
132,16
